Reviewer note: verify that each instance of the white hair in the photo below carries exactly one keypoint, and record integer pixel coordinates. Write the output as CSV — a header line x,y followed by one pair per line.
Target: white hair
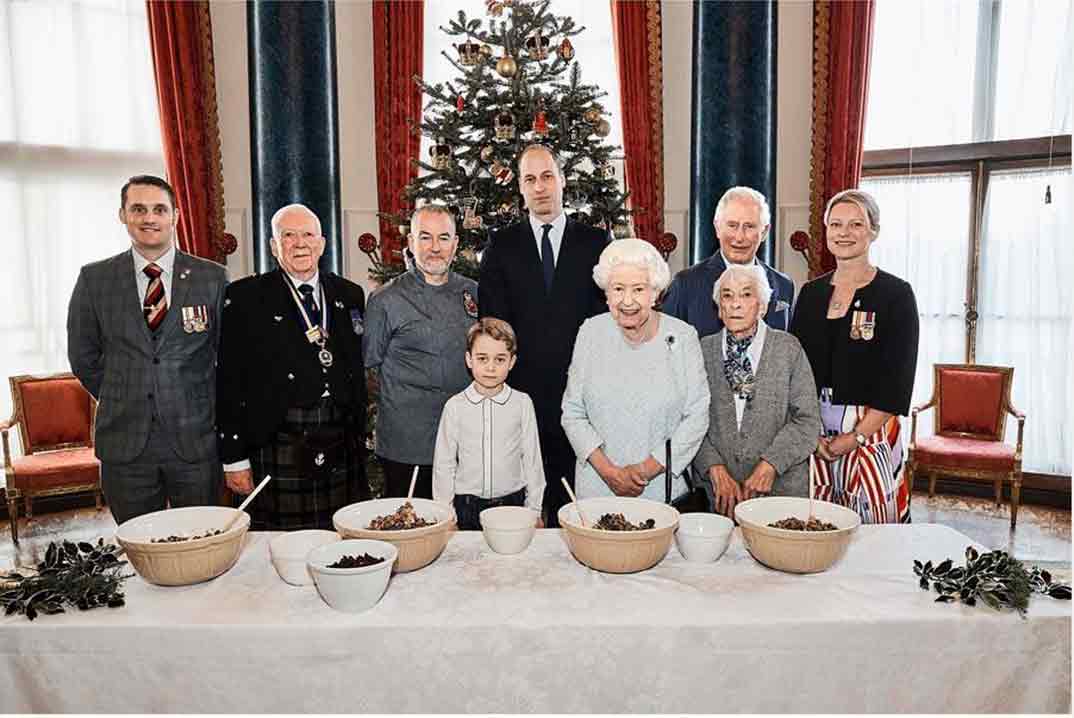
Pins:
x,y
753,273
636,253
748,194
276,218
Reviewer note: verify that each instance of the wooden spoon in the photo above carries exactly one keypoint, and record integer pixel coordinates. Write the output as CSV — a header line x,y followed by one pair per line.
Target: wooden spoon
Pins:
x,y
577,506
413,481
244,504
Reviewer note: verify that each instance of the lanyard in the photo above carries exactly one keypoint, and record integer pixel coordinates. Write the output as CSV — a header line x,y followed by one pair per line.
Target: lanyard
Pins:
x,y
323,327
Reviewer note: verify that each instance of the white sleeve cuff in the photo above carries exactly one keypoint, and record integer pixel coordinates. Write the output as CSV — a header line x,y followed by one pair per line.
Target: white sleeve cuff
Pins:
x,y
243,465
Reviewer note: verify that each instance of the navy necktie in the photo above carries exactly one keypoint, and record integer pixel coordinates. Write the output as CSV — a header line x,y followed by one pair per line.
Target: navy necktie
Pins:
x,y
548,259
310,304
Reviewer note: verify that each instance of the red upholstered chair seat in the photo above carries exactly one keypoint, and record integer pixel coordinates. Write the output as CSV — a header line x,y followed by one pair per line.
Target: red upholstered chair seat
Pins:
x,y
55,468
960,453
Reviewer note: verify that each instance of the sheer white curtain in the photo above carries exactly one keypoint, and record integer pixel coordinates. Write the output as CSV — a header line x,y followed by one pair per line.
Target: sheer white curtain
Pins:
x,y
924,225
78,116
1025,311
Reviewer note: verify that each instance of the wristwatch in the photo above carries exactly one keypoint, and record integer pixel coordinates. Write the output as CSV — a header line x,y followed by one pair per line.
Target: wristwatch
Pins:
x,y
860,438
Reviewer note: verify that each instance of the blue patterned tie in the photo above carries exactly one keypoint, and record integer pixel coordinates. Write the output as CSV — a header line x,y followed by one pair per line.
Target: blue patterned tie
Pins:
x,y
310,304
548,259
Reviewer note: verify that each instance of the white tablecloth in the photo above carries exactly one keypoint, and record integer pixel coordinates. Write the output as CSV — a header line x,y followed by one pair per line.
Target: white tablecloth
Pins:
x,y
539,632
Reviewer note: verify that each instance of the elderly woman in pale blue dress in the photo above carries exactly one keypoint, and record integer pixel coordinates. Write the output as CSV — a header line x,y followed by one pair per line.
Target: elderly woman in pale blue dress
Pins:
x,y
636,379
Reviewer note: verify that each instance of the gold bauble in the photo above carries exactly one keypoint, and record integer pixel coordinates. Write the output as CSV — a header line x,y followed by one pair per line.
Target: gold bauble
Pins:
x,y
486,51
603,128
486,153
592,115
506,66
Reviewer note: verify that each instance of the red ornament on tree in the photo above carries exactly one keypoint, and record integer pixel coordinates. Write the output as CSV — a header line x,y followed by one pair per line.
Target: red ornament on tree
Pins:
x,y
367,243
799,241
540,124
459,103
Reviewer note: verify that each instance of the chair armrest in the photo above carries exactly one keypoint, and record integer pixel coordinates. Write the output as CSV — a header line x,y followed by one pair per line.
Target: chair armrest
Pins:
x,y
913,419
5,427
1021,429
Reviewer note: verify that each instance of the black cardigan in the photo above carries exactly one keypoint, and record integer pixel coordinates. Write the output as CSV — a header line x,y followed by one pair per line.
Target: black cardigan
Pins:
x,y
878,373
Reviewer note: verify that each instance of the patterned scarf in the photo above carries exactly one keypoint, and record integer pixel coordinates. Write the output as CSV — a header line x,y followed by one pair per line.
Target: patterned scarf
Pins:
x,y
736,366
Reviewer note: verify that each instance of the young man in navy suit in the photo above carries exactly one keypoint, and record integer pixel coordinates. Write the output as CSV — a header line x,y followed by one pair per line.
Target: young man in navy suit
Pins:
x,y
741,222
537,275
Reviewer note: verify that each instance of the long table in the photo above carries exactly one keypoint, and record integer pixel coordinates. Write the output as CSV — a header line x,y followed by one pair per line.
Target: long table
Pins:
x,y
539,632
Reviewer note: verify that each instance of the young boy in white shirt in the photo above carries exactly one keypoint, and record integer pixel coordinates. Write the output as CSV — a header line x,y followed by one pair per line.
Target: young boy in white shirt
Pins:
x,y
487,451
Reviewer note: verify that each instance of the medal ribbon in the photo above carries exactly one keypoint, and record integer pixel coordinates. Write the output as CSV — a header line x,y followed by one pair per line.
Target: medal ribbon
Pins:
x,y
323,326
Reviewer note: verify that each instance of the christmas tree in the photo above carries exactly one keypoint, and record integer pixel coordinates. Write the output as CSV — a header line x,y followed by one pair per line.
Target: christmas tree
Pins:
x,y
518,84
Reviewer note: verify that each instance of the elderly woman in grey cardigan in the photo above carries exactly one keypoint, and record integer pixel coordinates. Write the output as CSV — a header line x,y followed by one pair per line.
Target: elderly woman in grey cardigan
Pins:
x,y
636,379
764,418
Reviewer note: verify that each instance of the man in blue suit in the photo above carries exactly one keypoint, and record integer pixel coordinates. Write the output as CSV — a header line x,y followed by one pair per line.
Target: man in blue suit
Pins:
x,y
741,223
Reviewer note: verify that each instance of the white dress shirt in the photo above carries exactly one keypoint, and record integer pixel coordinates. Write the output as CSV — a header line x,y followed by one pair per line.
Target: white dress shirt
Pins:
x,y
488,447
166,262
244,464
754,353
555,235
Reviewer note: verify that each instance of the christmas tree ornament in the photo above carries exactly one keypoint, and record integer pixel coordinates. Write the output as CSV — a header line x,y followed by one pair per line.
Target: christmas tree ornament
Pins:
x,y
505,126
460,103
506,209
471,220
604,171
441,154
486,51
622,231
486,153
537,46
507,67
367,243
494,7
565,50
540,124
404,228
469,54
502,173
603,128
592,115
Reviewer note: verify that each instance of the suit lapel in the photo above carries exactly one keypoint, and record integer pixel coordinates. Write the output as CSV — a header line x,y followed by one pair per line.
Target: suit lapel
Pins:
x,y
530,258
567,265
129,296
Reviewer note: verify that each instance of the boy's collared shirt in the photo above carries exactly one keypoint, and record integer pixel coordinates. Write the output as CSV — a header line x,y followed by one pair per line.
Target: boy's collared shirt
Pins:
x,y
488,447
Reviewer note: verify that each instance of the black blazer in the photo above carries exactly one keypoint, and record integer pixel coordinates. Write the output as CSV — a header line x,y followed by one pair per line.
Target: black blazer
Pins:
x,y
879,372
546,323
266,366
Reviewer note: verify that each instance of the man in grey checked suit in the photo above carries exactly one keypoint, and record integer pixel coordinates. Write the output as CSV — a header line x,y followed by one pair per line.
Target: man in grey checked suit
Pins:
x,y
142,334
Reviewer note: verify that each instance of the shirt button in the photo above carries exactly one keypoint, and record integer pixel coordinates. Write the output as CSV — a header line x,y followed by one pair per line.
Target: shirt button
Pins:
x,y
149,395
291,377
156,360
235,437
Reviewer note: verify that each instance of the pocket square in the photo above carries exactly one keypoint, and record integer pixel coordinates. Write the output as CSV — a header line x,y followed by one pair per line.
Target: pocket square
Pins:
x,y
782,306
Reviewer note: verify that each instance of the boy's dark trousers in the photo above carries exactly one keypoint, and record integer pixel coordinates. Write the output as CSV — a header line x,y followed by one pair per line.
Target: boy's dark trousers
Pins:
x,y
468,507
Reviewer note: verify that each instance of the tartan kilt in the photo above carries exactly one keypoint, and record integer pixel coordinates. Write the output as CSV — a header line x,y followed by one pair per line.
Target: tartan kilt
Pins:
x,y
317,462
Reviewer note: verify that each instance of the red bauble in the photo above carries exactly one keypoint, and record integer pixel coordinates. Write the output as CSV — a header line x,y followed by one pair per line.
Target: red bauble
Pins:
x,y
228,244
799,241
540,124
668,243
459,103
367,243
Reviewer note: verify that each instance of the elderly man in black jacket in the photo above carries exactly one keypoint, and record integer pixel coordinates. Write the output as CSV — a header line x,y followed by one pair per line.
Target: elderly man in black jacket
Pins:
x,y
291,394
537,275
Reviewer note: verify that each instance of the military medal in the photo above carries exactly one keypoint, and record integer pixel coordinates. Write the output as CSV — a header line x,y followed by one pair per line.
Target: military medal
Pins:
x,y
855,325
188,319
325,357
868,325
201,318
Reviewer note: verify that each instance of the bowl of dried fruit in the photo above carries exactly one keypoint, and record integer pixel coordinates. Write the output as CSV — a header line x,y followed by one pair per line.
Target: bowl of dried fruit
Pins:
x,y
352,575
623,534
178,547
781,533
419,528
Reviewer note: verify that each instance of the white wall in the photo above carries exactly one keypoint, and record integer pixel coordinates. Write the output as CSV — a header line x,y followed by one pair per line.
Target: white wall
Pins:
x,y
354,42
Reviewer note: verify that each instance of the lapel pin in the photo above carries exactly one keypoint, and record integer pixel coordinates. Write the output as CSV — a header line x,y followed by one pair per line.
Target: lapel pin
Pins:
x,y
339,304
278,318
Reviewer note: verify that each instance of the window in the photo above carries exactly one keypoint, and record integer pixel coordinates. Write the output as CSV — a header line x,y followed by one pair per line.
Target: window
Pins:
x,y
967,145
594,52
78,116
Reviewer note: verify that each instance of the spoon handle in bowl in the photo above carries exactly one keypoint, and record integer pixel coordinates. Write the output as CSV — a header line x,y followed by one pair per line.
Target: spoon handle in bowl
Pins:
x,y
244,504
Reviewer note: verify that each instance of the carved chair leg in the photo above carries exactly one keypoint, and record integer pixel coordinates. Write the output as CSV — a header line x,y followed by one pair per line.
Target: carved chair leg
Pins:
x,y
13,514
29,507
910,479
998,483
1016,496
932,484
97,497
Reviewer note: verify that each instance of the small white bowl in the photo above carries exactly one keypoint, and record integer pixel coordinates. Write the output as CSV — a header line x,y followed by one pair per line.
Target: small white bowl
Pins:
x,y
289,551
508,529
352,589
703,538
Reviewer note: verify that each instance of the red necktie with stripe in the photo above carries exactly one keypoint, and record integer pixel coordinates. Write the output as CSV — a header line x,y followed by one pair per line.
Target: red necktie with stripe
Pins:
x,y
155,306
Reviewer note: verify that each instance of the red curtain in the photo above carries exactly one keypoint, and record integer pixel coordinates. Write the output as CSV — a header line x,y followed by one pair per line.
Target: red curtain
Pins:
x,y
842,41
181,40
636,26
398,30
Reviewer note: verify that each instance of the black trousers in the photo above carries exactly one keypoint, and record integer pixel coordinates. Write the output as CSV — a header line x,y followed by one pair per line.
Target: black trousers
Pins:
x,y
468,507
555,496
397,479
